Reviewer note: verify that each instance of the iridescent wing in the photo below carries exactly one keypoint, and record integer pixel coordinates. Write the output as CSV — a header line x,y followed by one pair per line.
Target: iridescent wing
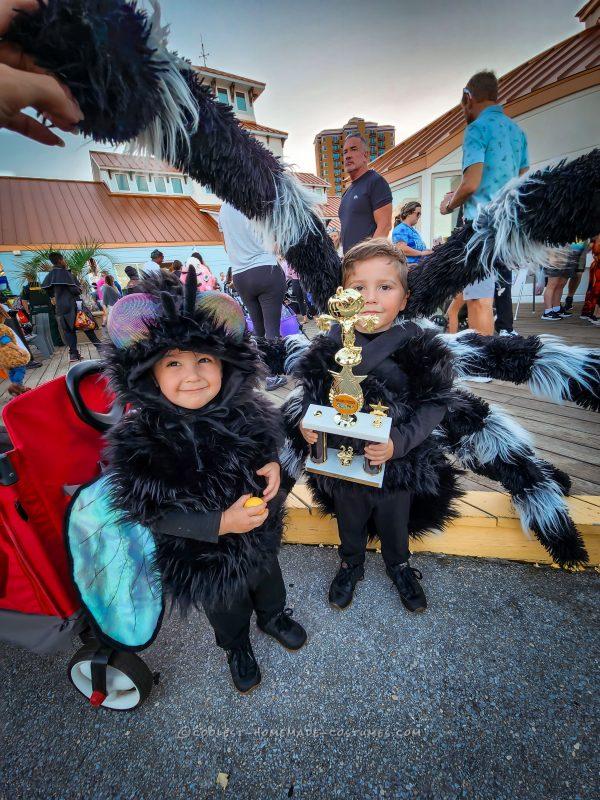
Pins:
x,y
112,565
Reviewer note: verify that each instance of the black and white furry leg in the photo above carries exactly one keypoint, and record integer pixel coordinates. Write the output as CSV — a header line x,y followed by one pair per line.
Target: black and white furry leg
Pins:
x,y
549,366
294,452
551,207
486,440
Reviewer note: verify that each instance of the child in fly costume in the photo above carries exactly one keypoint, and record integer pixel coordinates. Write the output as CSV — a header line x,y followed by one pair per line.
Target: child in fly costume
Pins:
x,y
198,441
411,370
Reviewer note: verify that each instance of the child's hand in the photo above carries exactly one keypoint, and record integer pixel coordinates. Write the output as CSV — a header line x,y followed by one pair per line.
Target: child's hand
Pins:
x,y
238,519
379,453
309,436
272,472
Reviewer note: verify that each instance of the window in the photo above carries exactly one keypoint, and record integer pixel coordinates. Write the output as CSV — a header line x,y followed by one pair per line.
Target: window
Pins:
x,y
177,185
336,138
142,183
442,225
223,96
122,182
159,184
336,156
404,194
240,101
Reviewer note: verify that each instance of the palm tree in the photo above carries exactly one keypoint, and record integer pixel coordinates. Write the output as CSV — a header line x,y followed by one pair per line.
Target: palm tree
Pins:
x,y
77,259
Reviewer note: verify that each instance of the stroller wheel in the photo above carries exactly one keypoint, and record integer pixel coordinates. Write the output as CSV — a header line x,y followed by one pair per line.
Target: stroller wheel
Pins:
x,y
128,679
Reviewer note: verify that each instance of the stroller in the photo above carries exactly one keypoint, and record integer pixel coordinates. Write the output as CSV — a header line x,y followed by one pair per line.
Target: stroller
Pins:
x,y
56,433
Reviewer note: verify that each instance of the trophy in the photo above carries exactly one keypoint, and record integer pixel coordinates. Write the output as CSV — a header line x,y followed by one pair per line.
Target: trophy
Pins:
x,y
344,417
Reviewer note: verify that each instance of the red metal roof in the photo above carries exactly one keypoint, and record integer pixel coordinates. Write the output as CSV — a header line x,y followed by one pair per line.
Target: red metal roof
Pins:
x,y
331,209
308,179
254,126
36,211
116,161
573,56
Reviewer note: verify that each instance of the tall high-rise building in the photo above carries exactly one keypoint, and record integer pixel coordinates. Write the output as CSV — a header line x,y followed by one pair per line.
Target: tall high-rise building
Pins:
x,y
329,145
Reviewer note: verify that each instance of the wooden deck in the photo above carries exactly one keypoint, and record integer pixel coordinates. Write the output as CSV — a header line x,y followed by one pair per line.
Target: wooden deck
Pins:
x,y
565,435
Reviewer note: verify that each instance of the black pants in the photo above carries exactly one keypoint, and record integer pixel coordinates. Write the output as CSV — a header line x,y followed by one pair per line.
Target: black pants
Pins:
x,y
265,595
503,299
66,323
389,515
298,295
262,290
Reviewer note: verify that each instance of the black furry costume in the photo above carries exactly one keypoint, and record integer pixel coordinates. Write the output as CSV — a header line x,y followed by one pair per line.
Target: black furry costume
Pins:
x,y
479,436
164,458
172,469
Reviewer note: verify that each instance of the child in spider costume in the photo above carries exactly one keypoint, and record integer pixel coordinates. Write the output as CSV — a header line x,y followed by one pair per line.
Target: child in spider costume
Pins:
x,y
411,370
169,516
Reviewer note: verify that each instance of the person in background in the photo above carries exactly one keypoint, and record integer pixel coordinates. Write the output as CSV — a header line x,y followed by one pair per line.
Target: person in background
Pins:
x,y
257,277
406,237
206,280
557,274
109,297
153,266
64,292
297,292
177,268
579,257
592,296
134,280
494,152
366,205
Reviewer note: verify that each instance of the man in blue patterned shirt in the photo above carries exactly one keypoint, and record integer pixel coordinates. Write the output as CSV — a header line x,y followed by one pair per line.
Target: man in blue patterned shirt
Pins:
x,y
494,152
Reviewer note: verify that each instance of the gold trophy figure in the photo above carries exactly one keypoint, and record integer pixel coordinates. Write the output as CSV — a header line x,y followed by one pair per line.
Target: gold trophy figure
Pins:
x,y
346,398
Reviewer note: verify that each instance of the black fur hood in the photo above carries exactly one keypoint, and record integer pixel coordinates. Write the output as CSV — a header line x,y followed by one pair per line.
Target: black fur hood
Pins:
x,y
163,458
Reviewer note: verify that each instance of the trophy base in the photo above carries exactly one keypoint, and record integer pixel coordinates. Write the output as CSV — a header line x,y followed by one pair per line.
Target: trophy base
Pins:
x,y
354,472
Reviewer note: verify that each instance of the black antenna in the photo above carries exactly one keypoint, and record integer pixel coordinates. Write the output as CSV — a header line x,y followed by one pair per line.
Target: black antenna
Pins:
x,y
203,53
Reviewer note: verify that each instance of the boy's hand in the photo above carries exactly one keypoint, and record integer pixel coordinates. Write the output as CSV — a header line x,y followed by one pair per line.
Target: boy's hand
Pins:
x,y
379,453
238,519
308,436
272,472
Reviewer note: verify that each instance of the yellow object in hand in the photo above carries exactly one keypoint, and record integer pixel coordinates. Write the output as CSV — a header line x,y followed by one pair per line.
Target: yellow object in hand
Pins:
x,y
253,501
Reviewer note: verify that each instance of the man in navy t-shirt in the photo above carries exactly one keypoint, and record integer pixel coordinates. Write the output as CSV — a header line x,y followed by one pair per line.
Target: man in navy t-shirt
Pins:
x,y
366,207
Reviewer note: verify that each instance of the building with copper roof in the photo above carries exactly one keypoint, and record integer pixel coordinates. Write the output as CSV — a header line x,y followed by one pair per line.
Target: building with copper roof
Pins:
x,y
329,144
554,97
40,213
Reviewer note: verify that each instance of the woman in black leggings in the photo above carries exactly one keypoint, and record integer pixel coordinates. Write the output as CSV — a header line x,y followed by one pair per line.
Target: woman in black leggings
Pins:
x,y
262,289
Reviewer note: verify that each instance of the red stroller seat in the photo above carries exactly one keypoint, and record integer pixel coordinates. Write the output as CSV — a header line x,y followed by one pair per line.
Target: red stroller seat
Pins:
x,y
57,436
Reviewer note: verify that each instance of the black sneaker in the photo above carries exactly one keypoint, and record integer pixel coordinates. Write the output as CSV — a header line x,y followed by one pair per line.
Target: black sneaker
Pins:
x,y
342,587
245,672
406,580
287,631
551,315
568,303
564,312
74,357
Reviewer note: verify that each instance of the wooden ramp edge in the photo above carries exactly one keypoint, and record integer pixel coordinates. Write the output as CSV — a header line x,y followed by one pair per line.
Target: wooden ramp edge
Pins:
x,y
488,527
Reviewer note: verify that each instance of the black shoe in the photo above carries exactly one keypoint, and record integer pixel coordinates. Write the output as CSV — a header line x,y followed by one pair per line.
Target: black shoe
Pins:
x,y
564,312
287,631
74,357
568,303
33,365
342,587
245,672
406,580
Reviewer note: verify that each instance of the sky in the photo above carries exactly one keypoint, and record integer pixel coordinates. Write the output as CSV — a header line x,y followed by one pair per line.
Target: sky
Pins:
x,y
395,62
